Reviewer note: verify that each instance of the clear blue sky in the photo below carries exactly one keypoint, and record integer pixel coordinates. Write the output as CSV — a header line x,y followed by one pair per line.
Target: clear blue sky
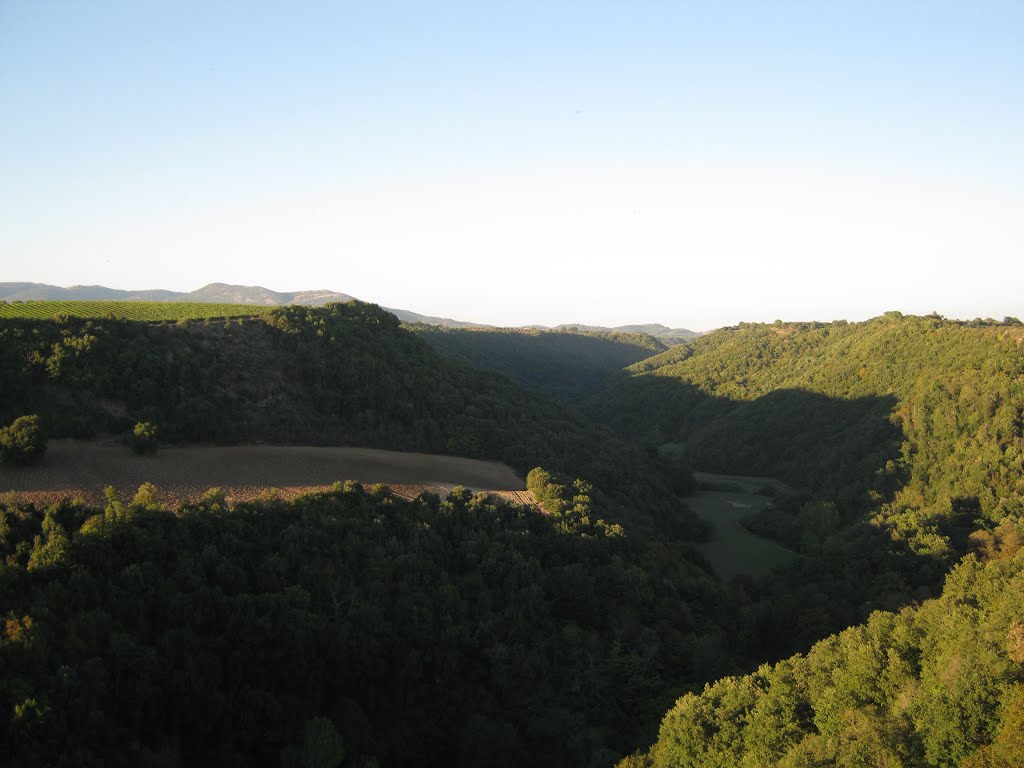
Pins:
x,y
694,164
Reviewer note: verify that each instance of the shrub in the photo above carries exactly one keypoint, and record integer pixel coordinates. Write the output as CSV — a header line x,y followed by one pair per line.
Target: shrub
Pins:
x,y
144,438
23,442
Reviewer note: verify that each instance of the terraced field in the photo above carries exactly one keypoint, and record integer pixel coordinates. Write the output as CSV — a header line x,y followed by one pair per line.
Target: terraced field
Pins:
x,y
145,311
83,468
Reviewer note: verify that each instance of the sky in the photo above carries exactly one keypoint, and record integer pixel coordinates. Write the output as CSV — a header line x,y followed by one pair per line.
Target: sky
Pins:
x,y
695,164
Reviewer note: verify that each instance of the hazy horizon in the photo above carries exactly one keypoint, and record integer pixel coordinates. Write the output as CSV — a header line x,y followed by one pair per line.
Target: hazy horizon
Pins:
x,y
689,164
553,324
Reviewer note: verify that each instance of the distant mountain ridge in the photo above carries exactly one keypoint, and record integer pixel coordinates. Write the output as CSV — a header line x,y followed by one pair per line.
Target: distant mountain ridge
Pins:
x,y
44,292
657,330
407,316
214,293
225,293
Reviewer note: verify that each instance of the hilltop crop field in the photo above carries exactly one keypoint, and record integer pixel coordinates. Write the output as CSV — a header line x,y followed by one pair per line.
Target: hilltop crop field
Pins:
x,y
183,473
145,311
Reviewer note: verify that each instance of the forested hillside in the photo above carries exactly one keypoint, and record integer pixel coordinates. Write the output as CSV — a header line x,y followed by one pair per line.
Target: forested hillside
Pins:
x,y
345,374
353,628
937,685
906,434
419,633
561,364
930,407
344,624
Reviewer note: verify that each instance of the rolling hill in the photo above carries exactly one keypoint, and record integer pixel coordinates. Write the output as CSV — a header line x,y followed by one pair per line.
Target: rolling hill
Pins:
x,y
255,590
224,293
344,374
668,336
214,293
905,434
461,631
562,364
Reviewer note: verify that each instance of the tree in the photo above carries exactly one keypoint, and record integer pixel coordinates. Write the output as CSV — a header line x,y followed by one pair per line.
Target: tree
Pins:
x,y
23,442
144,438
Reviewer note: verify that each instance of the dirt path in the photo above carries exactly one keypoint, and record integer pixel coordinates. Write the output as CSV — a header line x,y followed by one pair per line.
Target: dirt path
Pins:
x,y
84,468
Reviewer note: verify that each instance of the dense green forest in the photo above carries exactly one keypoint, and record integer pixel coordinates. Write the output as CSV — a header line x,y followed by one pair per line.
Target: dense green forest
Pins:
x,y
354,628
416,633
905,433
561,364
345,374
939,685
828,406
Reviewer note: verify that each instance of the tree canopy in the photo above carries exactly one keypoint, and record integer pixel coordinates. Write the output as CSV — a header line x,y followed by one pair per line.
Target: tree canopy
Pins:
x,y
23,442
357,628
454,631
938,685
904,434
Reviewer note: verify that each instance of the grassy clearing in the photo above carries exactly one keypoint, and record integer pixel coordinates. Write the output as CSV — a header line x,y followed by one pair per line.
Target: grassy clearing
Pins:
x,y
725,500
144,311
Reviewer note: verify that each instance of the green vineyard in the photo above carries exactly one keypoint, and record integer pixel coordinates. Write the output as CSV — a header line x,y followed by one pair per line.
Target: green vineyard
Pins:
x,y
145,311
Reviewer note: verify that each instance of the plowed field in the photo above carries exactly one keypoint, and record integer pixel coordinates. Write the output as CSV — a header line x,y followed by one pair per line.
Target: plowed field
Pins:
x,y
78,468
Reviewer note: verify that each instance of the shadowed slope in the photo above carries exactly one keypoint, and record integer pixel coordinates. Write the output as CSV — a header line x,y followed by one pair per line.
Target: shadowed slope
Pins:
x,y
561,364
905,434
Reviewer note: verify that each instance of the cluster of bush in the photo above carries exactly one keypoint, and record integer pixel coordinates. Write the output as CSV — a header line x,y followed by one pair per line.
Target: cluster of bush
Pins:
x,y
24,441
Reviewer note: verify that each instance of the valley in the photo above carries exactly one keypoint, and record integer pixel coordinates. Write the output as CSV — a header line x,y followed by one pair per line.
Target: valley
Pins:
x,y
305,544
725,501
512,385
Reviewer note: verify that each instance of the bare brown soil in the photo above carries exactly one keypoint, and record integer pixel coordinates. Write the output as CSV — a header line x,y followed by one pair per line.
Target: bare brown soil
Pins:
x,y
82,469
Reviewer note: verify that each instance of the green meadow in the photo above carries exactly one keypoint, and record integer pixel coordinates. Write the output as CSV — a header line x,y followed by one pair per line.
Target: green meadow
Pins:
x,y
724,501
